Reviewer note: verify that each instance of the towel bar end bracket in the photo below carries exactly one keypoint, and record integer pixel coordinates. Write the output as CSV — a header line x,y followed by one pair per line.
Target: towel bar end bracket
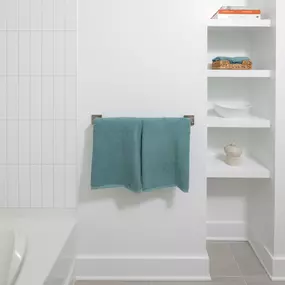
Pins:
x,y
191,117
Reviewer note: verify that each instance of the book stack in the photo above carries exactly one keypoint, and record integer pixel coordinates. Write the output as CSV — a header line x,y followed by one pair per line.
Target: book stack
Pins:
x,y
237,12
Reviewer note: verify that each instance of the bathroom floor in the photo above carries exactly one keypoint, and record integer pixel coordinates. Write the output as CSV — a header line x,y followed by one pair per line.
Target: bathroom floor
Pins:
x,y
231,263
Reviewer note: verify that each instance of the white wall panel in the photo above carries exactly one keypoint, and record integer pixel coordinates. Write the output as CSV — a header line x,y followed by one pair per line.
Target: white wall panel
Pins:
x,y
24,14
59,143
48,14
47,53
2,52
12,98
36,141
24,98
71,14
47,98
3,97
3,142
71,98
59,186
11,14
2,15
70,53
47,184
36,52
24,142
59,98
59,52
70,186
3,192
70,143
59,20
12,52
24,187
36,98
24,52
47,129
12,142
12,186
36,14
36,186
37,103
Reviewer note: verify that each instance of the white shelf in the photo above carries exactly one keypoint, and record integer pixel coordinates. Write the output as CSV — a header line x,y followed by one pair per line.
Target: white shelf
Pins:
x,y
214,121
249,168
231,23
257,73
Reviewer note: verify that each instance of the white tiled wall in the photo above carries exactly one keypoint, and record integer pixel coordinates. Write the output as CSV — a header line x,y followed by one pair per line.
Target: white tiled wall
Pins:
x,y
38,103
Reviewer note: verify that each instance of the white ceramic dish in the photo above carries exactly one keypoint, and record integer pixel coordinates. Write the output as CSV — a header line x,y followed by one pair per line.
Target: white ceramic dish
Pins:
x,y
232,109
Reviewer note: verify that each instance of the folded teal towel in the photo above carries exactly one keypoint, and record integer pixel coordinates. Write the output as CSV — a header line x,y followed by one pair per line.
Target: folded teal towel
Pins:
x,y
141,154
232,60
116,160
165,153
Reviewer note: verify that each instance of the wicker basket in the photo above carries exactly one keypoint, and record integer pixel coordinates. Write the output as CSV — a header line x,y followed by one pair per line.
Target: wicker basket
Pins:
x,y
225,64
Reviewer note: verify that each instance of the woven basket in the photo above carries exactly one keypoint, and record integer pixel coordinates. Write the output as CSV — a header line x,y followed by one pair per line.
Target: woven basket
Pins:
x,y
225,64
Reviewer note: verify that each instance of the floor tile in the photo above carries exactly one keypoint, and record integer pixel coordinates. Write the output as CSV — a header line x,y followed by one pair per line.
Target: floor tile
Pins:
x,y
262,280
229,280
222,262
112,283
248,262
181,283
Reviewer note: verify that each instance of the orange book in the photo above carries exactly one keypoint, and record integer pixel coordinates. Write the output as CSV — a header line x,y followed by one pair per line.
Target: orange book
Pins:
x,y
235,12
250,12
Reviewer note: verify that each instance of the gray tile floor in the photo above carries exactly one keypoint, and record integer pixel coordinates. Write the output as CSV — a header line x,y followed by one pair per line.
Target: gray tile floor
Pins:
x,y
231,263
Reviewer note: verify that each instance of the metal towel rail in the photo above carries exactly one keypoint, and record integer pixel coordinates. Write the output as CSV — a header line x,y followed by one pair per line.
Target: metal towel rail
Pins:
x,y
190,117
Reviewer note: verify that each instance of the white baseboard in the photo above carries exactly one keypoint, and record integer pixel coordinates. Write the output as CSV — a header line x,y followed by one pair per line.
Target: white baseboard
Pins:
x,y
227,230
274,266
143,268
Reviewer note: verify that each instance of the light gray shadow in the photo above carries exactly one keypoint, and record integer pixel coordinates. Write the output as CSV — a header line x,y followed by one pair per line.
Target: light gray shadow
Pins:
x,y
122,197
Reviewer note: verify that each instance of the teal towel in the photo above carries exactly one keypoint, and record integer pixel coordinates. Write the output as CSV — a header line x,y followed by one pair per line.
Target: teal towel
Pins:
x,y
116,160
165,153
232,60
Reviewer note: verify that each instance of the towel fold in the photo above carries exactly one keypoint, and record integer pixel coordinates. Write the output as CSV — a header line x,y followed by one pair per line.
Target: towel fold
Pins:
x,y
141,154
165,153
232,60
116,158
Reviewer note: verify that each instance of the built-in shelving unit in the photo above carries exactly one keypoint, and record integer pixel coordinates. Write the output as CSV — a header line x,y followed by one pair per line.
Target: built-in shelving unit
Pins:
x,y
234,85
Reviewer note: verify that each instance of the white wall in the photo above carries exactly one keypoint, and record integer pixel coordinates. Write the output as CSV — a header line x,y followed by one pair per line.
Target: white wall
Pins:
x,y
227,209
38,103
142,58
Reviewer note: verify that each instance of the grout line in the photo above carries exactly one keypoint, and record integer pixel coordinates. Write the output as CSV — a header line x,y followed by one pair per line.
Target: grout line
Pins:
x,y
54,122
64,111
41,158
35,164
18,87
30,103
36,120
237,264
76,194
38,30
6,91
38,75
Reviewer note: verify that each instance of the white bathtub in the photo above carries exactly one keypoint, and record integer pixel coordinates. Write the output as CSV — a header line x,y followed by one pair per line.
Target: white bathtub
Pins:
x,y
50,245
12,253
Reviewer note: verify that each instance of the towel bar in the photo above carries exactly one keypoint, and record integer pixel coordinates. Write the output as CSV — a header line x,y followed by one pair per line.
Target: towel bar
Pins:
x,y
190,117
